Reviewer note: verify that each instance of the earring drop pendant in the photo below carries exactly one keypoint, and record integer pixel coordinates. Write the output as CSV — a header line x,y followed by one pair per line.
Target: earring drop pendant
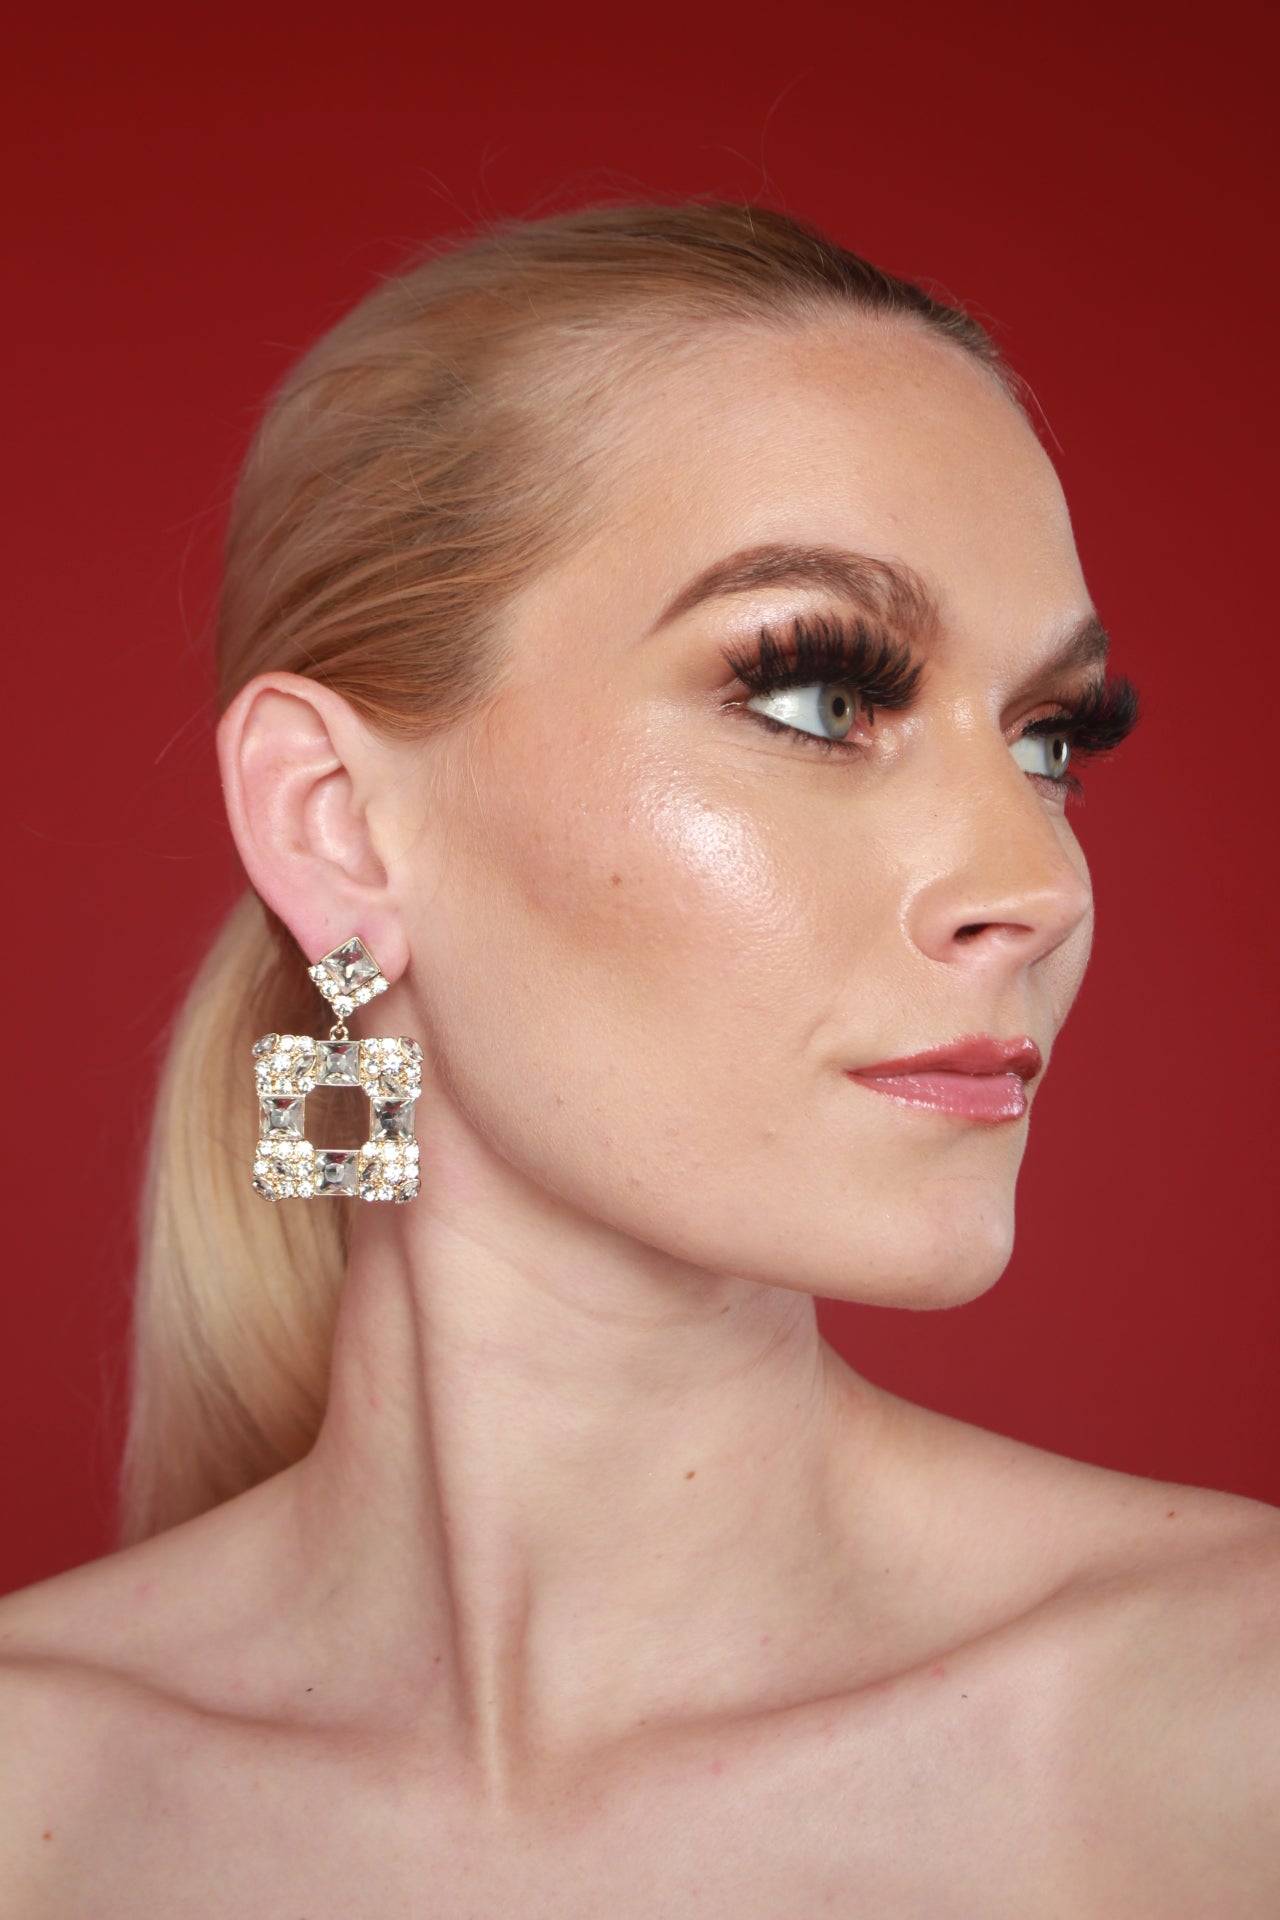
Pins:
x,y
289,1066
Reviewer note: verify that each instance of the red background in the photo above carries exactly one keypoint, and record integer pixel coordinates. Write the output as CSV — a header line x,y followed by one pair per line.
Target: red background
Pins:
x,y
199,195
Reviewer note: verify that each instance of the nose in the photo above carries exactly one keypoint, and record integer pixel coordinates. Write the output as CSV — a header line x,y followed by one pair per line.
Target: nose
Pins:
x,y
1005,888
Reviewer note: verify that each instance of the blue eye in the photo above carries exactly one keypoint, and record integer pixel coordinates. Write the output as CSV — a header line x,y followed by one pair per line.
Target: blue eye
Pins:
x,y
1050,752
825,709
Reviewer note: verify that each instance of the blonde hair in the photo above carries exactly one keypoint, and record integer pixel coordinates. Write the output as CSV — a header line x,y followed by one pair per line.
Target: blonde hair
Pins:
x,y
428,458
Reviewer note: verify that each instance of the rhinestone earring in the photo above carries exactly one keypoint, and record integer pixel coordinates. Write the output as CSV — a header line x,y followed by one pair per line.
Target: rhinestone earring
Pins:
x,y
288,1065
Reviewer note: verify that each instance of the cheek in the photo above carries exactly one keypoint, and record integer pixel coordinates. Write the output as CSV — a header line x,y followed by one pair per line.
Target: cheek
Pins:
x,y
636,958
627,876
641,967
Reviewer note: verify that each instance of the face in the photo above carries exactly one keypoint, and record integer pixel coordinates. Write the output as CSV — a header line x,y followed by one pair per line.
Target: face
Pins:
x,y
658,932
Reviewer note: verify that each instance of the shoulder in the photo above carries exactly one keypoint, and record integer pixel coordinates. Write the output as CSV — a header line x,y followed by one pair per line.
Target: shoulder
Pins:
x,y
1198,1621
94,1661
1164,1656
1142,1631
69,1651
56,1716
1194,1614
1155,1658
166,1614
1033,1526
1169,1577
108,1642
84,1619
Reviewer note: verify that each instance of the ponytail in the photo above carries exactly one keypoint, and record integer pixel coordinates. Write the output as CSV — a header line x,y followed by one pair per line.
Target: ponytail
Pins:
x,y
235,1299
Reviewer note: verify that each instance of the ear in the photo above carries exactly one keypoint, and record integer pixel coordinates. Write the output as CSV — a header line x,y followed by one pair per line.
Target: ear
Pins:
x,y
299,769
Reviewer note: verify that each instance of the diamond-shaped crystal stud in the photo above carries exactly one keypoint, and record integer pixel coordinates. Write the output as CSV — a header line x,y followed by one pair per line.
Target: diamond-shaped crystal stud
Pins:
x,y
348,977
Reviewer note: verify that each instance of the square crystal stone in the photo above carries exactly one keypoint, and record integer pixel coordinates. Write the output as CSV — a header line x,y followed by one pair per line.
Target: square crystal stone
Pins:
x,y
282,1114
338,1063
392,1120
337,1170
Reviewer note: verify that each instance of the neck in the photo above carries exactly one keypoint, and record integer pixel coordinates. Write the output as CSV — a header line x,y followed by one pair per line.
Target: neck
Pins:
x,y
569,1485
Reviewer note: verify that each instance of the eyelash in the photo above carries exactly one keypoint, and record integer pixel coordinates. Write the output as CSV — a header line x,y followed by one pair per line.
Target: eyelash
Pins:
x,y
826,650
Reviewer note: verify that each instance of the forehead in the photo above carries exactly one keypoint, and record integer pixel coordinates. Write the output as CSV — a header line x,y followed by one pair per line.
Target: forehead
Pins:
x,y
863,434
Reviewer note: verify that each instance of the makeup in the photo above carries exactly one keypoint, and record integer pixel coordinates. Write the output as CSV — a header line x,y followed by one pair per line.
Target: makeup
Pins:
x,y
881,671
977,1078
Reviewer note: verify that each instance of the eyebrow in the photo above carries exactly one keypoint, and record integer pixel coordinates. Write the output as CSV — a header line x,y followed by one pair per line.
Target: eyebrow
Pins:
x,y
889,591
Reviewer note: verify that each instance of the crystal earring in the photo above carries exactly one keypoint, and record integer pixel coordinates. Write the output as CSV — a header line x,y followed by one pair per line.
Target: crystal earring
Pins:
x,y
288,1065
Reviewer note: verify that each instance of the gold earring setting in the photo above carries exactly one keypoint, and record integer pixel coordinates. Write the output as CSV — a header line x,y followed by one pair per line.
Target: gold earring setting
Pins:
x,y
287,1066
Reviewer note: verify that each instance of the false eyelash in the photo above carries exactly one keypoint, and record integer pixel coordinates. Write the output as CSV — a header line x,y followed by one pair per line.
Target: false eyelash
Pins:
x,y
1095,720
819,648
816,648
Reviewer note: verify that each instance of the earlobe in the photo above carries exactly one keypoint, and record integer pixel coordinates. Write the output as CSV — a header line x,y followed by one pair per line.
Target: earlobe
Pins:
x,y
295,762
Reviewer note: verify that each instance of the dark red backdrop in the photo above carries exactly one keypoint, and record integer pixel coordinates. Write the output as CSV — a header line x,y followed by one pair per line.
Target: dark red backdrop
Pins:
x,y
201,194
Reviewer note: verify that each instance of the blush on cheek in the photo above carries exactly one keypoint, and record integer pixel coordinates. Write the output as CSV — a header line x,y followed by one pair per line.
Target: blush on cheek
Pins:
x,y
593,824
596,847
716,844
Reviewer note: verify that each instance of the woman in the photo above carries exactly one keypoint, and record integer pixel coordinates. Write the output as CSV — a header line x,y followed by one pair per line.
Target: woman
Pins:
x,y
657,635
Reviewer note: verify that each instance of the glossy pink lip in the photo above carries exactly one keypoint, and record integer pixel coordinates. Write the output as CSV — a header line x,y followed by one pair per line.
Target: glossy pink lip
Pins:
x,y
977,1078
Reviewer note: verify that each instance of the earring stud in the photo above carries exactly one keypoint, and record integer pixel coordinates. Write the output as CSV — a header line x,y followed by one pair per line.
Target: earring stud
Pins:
x,y
288,1066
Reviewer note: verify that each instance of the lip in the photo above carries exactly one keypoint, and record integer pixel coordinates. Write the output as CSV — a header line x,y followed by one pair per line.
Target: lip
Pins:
x,y
976,1078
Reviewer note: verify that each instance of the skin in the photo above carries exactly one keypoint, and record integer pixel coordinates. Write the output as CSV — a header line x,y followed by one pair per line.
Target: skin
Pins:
x,y
608,1586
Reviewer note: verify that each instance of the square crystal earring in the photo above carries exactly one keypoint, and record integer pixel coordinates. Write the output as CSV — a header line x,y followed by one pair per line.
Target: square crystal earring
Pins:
x,y
287,1066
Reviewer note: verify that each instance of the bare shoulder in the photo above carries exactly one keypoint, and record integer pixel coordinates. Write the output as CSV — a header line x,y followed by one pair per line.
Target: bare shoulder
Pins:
x,y
1174,1703
1145,1633
1100,1540
73,1644
1157,1642
96,1616
159,1613
58,1707
1048,1523
93,1661
1189,1579
154,1625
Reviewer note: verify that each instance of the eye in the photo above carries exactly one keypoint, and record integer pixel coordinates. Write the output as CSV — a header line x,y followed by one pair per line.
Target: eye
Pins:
x,y
1046,753
826,709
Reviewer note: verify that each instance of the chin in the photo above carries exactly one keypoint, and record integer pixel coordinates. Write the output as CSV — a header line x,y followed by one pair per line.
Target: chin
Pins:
x,y
933,1258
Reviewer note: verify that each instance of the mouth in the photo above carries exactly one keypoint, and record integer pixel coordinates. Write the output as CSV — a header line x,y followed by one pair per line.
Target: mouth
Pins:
x,y
977,1078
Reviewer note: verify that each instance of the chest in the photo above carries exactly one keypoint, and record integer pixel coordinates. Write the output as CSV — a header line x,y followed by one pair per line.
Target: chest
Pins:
x,y
825,1810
